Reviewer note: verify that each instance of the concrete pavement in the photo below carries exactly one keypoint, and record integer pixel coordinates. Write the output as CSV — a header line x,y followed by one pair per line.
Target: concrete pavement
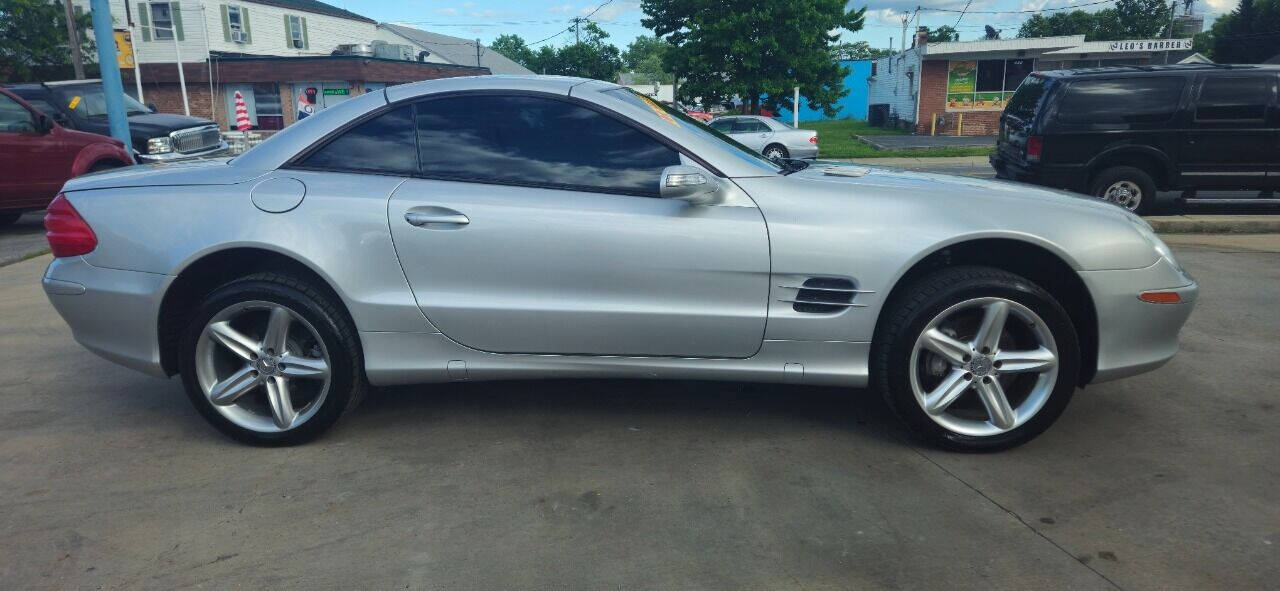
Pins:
x,y
108,479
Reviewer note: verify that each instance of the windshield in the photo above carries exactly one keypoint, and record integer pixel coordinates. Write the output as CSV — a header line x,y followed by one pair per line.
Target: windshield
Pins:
x,y
89,101
1024,101
694,126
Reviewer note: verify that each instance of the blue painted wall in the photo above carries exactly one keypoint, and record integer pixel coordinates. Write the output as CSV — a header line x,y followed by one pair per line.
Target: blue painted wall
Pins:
x,y
852,106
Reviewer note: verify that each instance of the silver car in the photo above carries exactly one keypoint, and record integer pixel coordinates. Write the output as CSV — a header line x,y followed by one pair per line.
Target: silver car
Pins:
x,y
768,136
495,228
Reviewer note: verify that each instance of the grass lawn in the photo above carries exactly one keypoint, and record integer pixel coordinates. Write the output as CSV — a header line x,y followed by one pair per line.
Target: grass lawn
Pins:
x,y
835,140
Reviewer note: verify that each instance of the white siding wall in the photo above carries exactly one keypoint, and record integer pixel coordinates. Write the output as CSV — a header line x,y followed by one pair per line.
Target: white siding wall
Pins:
x,y
266,27
894,87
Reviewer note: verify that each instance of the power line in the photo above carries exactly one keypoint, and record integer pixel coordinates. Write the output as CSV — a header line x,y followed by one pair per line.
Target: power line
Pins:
x,y
575,22
966,7
1072,7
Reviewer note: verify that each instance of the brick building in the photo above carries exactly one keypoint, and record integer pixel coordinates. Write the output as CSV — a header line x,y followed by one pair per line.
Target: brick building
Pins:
x,y
275,88
961,87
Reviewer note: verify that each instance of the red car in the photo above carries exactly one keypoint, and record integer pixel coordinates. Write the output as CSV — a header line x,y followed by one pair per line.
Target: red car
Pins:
x,y
37,156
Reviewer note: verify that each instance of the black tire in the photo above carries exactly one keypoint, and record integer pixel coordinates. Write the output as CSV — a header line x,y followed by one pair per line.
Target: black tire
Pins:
x,y
330,320
778,147
929,296
1137,176
7,218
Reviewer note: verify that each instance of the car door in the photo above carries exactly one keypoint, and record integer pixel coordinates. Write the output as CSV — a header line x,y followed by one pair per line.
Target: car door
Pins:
x,y
751,133
534,226
33,163
1231,140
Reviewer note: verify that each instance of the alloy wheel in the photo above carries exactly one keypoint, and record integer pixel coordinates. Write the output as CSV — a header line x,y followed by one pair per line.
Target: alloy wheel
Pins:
x,y
262,366
984,366
774,154
1126,194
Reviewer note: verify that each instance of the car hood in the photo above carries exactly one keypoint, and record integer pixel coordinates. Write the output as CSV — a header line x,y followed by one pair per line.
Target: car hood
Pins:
x,y
210,171
160,124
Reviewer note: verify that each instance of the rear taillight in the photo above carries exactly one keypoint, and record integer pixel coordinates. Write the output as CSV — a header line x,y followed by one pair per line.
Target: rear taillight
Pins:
x,y
813,139
1034,147
69,235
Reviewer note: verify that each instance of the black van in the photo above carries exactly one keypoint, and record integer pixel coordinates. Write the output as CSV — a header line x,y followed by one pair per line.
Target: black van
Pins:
x,y
1122,133
157,137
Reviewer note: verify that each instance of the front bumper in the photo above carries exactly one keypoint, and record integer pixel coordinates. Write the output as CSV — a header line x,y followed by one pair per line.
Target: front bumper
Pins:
x,y
112,312
1135,336
222,149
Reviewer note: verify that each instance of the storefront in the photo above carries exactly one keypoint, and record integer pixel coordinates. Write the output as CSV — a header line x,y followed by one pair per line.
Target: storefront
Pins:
x,y
277,91
960,88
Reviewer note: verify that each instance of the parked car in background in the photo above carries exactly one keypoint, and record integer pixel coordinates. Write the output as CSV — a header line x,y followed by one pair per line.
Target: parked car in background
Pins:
x,y
598,234
695,112
37,156
1124,133
769,136
157,137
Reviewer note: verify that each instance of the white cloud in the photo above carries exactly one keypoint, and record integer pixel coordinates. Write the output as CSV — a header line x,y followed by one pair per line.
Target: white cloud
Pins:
x,y
447,11
611,10
486,13
563,8
1219,7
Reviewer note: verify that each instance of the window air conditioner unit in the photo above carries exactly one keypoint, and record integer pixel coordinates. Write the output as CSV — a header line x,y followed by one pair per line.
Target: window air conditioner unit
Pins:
x,y
237,36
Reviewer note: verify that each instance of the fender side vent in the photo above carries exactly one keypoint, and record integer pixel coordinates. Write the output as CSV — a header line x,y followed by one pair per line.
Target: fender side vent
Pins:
x,y
824,295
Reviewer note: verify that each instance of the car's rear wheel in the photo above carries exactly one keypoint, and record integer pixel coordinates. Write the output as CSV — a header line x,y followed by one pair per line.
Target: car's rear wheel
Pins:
x,y
1129,187
776,152
976,359
271,359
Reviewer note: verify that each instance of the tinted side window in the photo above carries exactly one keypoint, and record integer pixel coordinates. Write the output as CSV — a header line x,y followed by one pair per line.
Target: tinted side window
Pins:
x,y
384,144
15,118
722,125
1234,98
537,141
1132,100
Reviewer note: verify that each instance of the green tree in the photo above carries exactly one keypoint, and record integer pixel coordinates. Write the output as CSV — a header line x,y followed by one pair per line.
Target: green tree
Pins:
x,y
1061,23
33,38
514,48
858,50
755,51
1129,19
644,56
1250,34
591,57
943,34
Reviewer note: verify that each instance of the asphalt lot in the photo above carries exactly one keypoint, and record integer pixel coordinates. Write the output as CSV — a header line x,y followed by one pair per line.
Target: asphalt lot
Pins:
x,y
109,479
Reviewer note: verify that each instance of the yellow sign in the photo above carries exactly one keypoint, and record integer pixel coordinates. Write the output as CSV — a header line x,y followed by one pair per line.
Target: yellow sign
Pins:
x,y
124,49
75,102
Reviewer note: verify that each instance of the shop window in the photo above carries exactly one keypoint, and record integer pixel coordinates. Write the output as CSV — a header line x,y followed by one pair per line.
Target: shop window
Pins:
x,y
984,85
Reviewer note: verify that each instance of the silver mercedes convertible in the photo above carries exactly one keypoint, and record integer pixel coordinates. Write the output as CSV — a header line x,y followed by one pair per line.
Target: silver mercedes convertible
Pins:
x,y
495,228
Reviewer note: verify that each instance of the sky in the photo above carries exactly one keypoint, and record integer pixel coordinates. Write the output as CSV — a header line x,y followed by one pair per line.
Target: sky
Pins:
x,y
535,20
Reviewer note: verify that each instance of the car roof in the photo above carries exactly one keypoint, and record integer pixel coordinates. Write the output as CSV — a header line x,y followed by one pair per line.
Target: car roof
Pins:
x,y
1155,70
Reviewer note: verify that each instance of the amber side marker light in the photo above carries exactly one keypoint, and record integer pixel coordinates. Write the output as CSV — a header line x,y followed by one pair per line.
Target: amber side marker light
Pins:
x,y
1160,297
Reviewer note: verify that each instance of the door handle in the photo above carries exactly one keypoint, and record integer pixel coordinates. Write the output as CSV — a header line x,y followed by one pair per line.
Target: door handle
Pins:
x,y
427,217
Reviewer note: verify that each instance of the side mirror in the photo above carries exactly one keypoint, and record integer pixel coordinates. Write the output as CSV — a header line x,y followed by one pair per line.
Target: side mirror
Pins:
x,y
152,107
43,123
62,119
689,183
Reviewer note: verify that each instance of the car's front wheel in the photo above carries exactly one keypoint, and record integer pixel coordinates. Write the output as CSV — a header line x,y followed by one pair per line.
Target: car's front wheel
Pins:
x,y
271,359
976,359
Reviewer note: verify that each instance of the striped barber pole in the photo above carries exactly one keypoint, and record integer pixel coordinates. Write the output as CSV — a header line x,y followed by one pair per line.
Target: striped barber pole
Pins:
x,y
242,114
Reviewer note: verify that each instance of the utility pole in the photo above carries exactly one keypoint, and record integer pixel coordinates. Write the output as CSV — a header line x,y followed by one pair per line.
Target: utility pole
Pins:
x,y
477,52
577,23
112,88
73,39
